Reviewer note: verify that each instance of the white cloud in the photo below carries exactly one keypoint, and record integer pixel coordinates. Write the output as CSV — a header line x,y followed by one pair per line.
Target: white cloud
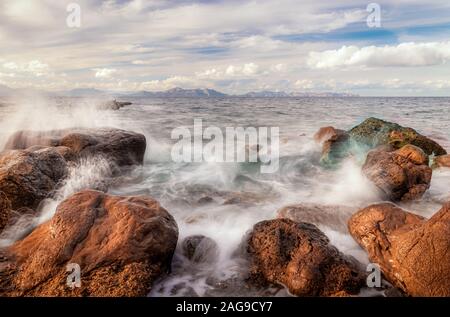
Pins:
x,y
105,72
168,83
404,54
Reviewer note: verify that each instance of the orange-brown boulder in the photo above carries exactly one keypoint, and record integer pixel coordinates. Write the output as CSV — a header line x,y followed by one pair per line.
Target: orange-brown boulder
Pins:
x,y
412,252
299,256
121,244
335,145
403,174
326,133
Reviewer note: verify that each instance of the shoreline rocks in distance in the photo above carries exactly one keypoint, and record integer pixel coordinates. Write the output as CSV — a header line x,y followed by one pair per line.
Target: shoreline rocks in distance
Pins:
x,y
299,256
113,105
122,244
412,252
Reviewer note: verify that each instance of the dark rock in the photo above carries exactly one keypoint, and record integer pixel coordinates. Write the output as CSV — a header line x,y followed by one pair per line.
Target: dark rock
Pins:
x,y
370,134
27,177
299,256
123,148
113,105
412,252
122,244
200,249
374,132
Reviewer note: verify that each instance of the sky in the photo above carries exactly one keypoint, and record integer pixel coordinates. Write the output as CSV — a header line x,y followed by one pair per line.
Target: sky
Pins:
x,y
234,46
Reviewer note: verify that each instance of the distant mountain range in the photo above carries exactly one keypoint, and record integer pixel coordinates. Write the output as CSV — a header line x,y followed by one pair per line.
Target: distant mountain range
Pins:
x,y
180,93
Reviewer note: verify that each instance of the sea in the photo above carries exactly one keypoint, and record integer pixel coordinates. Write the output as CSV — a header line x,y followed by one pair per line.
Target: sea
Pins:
x,y
224,200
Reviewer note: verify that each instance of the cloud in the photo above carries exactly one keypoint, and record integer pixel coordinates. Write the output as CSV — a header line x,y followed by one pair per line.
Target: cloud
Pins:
x,y
104,72
235,46
34,68
403,55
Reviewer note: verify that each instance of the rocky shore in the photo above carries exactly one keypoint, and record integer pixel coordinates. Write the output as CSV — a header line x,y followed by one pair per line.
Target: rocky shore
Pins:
x,y
124,244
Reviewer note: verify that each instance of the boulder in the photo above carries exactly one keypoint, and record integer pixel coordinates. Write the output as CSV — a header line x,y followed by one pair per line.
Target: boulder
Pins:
x,y
326,133
401,175
299,256
441,161
374,132
371,133
335,217
335,146
120,147
121,244
200,249
412,252
27,177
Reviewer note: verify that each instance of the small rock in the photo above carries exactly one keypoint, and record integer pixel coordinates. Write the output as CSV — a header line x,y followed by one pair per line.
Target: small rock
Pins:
x,y
200,249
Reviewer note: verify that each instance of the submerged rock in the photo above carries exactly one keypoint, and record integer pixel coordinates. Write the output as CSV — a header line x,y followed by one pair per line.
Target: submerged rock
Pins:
x,y
335,217
123,148
401,175
299,256
412,252
121,244
200,249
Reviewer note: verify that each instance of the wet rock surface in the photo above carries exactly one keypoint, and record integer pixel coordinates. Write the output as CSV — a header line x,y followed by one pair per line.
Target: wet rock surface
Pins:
x,y
371,133
299,256
200,249
123,148
27,177
122,244
401,175
412,252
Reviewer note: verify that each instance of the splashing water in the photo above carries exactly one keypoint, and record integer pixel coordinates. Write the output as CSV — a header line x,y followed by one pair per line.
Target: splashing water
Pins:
x,y
224,200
